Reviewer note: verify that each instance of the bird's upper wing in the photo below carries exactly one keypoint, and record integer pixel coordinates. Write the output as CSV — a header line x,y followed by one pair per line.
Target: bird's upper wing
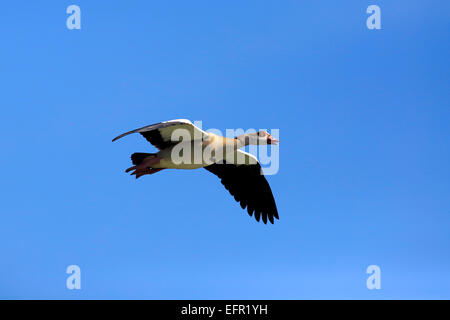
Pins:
x,y
245,181
160,134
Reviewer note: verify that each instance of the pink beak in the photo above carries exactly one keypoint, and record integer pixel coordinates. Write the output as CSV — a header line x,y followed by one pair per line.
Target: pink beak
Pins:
x,y
273,140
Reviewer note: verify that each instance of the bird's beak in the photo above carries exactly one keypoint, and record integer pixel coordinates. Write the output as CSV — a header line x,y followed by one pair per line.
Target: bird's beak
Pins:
x,y
272,140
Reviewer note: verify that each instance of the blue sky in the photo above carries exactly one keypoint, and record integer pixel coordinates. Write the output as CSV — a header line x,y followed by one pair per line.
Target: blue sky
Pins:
x,y
364,154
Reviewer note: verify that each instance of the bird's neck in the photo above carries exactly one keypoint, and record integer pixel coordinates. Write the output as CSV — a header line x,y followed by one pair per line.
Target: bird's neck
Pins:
x,y
242,140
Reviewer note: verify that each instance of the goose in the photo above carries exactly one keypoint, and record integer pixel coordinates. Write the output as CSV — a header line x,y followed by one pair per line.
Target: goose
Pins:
x,y
240,172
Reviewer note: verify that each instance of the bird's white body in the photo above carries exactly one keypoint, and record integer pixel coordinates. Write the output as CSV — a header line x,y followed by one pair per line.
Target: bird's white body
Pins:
x,y
196,154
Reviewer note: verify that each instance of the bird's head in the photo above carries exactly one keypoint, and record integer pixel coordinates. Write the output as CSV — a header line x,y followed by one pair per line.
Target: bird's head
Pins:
x,y
258,138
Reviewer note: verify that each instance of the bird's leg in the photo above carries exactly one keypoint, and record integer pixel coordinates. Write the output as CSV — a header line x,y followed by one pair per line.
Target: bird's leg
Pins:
x,y
145,167
130,168
146,171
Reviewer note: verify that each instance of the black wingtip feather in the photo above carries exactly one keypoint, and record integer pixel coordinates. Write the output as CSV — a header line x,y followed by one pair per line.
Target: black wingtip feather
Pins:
x,y
264,217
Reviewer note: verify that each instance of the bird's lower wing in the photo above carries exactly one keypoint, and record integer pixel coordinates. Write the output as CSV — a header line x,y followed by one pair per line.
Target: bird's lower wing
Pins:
x,y
248,186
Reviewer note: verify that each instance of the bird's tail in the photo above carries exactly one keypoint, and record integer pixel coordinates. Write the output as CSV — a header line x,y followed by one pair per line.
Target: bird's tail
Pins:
x,y
138,157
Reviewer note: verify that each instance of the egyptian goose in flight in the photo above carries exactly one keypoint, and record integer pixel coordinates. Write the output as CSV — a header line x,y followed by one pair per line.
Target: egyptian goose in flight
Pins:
x,y
239,171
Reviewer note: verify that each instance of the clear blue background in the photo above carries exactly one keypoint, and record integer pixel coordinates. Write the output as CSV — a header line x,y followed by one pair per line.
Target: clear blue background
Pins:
x,y
364,153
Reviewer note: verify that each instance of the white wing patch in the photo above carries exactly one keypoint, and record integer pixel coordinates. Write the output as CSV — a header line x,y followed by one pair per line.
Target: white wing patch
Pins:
x,y
241,158
192,132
